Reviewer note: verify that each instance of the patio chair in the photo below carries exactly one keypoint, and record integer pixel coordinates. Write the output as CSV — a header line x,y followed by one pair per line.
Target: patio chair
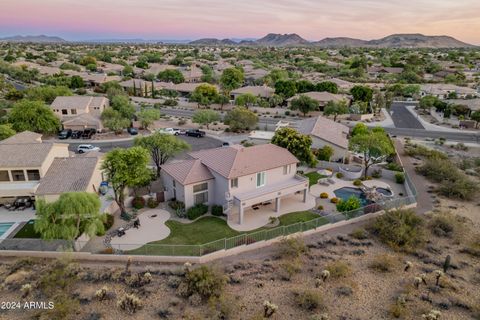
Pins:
x,y
331,181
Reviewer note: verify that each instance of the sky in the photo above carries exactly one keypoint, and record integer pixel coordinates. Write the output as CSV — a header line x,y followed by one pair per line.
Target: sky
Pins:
x,y
193,19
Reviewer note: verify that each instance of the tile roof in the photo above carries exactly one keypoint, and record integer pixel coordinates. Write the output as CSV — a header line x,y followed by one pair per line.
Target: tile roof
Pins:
x,y
188,171
236,161
23,137
325,129
261,91
24,154
78,102
67,175
83,119
321,96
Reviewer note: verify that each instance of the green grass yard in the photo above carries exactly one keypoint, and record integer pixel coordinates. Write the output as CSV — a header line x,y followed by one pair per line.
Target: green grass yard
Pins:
x,y
313,177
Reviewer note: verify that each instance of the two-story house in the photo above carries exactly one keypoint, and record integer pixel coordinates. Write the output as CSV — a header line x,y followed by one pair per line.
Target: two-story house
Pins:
x,y
80,112
236,177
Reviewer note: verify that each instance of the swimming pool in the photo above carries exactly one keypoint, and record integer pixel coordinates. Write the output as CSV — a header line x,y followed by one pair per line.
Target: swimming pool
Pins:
x,y
346,192
4,226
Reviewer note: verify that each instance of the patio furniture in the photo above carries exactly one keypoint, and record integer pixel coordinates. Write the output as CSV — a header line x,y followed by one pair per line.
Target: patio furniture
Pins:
x,y
120,232
331,181
136,223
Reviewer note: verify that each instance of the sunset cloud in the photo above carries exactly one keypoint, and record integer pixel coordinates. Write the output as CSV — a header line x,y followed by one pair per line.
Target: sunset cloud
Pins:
x,y
191,19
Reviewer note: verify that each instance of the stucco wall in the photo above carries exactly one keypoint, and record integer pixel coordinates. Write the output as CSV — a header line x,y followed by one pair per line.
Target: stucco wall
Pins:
x,y
339,153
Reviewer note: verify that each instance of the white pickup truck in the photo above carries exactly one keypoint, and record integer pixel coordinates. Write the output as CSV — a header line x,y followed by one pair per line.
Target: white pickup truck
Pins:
x,y
171,131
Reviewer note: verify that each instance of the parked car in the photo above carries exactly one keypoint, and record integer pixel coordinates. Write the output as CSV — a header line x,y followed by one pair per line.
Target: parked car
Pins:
x,y
65,134
195,133
88,133
132,131
172,131
226,144
84,148
76,134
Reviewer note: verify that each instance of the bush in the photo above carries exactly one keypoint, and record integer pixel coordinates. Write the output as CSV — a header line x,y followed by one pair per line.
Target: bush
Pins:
x,y
324,195
338,269
110,219
393,166
138,203
339,175
463,188
292,247
383,263
197,211
399,177
352,203
445,225
438,170
205,282
357,182
217,210
377,174
400,229
176,205
129,303
360,234
320,207
152,203
334,200
309,300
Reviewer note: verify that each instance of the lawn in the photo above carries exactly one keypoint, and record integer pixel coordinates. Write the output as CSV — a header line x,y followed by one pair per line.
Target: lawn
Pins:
x,y
27,232
313,177
207,230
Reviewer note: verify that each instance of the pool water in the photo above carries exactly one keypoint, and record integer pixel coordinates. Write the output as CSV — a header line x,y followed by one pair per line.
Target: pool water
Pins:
x,y
4,227
346,192
384,191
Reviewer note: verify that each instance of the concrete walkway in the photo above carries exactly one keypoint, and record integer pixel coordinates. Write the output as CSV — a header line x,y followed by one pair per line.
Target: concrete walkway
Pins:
x,y
152,228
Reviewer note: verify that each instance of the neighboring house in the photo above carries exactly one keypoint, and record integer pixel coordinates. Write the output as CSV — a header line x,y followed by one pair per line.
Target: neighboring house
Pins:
x,y
236,177
80,112
376,71
67,174
321,97
192,74
441,90
258,91
324,132
24,161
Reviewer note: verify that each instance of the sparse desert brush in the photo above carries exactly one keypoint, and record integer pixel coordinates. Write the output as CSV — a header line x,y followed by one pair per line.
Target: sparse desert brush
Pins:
x,y
473,246
292,247
308,300
222,307
129,303
101,293
205,281
446,224
383,263
26,289
400,229
290,268
359,234
397,310
269,309
338,269
432,315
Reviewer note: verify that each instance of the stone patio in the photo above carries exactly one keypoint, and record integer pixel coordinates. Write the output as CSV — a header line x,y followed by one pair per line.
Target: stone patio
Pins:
x,y
254,219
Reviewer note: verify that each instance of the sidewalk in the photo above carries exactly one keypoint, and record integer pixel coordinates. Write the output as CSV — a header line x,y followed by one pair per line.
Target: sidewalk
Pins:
x,y
433,127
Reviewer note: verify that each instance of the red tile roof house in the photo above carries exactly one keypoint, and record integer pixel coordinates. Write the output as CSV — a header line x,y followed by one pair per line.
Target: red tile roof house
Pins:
x,y
235,177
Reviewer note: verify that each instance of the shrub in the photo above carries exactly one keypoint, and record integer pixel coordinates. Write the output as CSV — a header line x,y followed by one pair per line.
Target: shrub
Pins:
x,y
400,177
292,247
269,309
138,203
357,182
377,174
290,268
176,205
334,200
462,188
393,166
152,203
324,195
204,281
217,210
338,269
339,175
383,263
197,211
444,224
110,219
309,300
101,294
400,229
438,170
352,203
130,303
320,207
360,234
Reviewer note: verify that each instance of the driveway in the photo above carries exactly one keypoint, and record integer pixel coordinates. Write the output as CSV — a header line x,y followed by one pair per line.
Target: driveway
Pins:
x,y
402,117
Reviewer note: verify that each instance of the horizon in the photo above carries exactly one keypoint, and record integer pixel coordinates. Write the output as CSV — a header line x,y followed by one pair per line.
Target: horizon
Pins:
x,y
187,20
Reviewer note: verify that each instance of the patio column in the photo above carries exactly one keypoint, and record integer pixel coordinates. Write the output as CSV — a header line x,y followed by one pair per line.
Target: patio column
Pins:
x,y
277,204
240,214
304,195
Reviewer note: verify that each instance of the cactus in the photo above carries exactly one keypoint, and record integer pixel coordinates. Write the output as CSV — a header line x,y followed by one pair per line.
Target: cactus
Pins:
x,y
318,282
446,264
408,266
25,290
423,276
101,294
325,275
147,277
432,315
187,267
269,309
127,266
438,275
129,303
417,281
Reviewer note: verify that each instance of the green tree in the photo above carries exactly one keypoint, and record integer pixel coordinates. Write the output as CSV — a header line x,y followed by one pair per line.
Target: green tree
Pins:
x,y
325,153
327,86
205,117
286,88
475,116
161,147
362,93
359,128
6,131
207,74
240,118
123,106
33,116
86,60
232,78
298,144
304,104
275,100
305,86
204,95
47,93
222,100
335,108
352,203
428,102
378,102
71,215
171,75
128,71
76,82
116,124
374,146
147,117
126,168
246,100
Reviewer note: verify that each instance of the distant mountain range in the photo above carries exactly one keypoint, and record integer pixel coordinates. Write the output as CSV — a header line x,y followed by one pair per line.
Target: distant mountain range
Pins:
x,y
414,40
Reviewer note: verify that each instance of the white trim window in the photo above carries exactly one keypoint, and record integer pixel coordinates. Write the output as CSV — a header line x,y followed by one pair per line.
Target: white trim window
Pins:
x,y
200,193
261,179
234,183
287,169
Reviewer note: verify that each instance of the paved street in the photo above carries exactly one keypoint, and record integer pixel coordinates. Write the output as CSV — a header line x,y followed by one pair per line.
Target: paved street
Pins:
x,y
402,118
